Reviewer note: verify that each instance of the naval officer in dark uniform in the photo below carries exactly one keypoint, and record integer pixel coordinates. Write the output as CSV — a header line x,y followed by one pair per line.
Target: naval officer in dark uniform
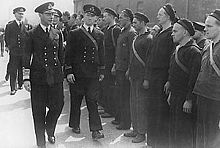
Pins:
x,y
57,24
84,65
15,35
46,76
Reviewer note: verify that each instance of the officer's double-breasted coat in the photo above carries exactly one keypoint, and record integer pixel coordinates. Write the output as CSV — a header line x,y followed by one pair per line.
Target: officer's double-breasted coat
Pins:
x,y
47,56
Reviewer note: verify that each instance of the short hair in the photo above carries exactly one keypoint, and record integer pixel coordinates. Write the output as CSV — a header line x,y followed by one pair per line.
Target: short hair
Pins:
x,y
74,15
66,13
81,16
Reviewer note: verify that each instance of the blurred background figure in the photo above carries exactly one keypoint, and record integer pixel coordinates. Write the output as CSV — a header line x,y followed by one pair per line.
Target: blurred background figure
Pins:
x,y
65,20
72,22
101,24
79,19
27,25
2,33
199,36
15,35
57,24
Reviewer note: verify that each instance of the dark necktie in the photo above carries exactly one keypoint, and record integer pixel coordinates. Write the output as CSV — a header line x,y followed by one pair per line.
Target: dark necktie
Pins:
x,y
20,25
89,30
47,31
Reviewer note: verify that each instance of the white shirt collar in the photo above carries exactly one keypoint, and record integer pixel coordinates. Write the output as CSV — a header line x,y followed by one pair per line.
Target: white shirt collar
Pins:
x,y
18,22
44,27
86,27
110,26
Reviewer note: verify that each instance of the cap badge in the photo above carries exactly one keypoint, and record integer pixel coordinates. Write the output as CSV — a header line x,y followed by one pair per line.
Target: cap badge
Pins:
x,y
92,9
50,6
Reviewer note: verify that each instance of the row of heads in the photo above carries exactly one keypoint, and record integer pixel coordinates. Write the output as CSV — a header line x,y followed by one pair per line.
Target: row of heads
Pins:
x,y
95,11
192,26
88,8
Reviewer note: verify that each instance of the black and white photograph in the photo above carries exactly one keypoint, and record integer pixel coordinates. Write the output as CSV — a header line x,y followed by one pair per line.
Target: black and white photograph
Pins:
x,y
110,74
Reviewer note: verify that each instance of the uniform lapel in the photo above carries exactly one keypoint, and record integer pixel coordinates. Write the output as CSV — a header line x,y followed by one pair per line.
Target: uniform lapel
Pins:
x,y
41,34
90,36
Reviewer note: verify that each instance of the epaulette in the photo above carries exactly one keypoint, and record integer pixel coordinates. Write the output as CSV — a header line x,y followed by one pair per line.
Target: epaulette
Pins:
x,y
10,22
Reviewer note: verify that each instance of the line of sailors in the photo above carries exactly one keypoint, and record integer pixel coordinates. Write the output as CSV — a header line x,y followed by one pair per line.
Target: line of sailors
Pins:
x,y
165,80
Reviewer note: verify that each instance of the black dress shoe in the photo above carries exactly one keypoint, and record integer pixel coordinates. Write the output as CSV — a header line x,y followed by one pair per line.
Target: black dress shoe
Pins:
x,y
139,138
115,122
97,135
13,92
52,139
122,127
101,112
7,77
106,115
76,130
130,134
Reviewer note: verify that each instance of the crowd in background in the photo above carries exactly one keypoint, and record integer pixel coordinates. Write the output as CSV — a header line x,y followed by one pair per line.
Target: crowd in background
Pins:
x,y
163,81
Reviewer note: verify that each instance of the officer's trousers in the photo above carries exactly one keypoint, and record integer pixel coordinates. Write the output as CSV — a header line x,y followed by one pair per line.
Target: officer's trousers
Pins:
x,y
89,88
15,69
2,46
43,96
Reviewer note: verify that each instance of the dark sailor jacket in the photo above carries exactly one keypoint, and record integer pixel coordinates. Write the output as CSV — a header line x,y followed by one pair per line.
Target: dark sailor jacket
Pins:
x,y
110,42
182,82
142,44
208,82
124,48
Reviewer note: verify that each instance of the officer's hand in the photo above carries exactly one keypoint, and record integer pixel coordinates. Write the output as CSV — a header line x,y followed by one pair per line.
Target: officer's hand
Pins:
x,y
187,106
101,77
146,84
71,78
113,71
64,44
167,87
6,49
27,85
168,99
127,74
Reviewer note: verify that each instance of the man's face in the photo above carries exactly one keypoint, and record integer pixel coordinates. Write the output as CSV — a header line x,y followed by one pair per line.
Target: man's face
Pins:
x,y
123,19
178,33
106,17
162,16
100,22
137,24
89,19
56,19
47,17
19,16
65,18
78,20
197,34
212,30
72,21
